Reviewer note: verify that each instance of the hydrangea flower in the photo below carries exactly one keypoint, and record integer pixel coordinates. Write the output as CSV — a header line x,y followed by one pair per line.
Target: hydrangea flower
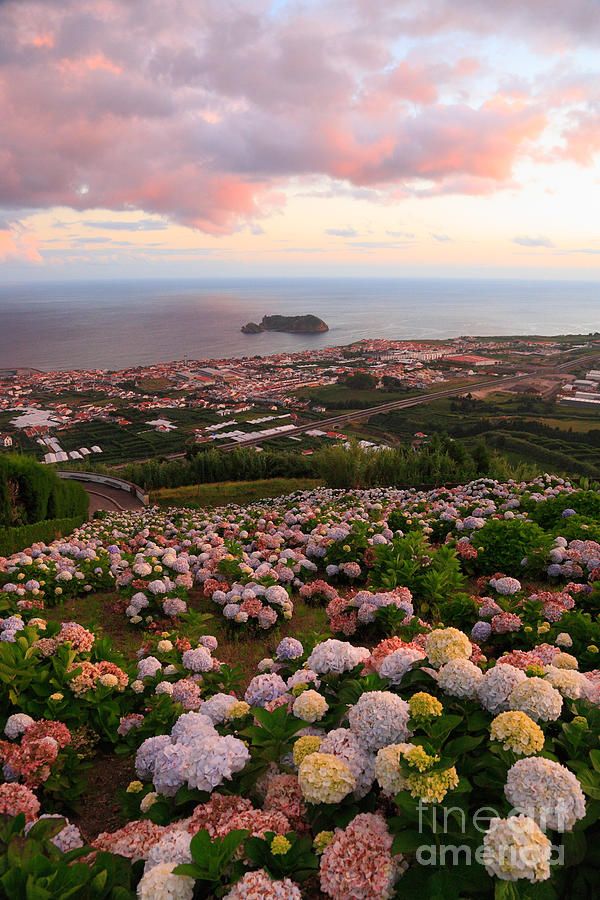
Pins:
x,y
264,688
288,649
159,883
516,848
324,778
379,718
537,698
310,706
517,732
444,644
547,792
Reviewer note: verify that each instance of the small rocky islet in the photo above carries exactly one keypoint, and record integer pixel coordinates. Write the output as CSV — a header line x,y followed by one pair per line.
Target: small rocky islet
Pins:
x,y
306,324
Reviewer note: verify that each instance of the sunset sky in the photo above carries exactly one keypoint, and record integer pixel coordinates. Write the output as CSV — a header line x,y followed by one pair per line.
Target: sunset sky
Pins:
x,y
159,138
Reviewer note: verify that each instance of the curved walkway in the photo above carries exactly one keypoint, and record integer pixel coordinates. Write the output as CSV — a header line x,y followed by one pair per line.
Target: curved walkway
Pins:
x,y
104,497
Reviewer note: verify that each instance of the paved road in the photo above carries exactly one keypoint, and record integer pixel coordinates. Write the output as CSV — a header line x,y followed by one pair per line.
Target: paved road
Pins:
x,y
354,415
104,497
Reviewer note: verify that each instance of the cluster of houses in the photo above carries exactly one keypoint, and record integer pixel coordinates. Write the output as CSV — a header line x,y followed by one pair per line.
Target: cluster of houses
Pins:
x,y
583,390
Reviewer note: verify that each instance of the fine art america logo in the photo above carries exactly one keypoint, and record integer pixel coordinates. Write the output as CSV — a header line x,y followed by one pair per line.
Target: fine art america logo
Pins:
x,y
451,822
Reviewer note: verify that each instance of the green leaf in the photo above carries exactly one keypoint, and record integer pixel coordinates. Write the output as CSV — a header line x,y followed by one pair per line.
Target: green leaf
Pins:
x,y
595,758
408,841
462,745
590,783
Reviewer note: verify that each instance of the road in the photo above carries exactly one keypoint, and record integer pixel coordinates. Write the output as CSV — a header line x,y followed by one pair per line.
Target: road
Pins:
x,y
354,415
108,498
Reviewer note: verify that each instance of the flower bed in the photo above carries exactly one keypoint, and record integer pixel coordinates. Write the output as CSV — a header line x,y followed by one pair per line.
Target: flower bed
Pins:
x,y
449,748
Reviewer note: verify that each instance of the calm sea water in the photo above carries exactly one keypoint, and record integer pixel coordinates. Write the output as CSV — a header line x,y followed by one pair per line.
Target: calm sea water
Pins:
x,y
118,324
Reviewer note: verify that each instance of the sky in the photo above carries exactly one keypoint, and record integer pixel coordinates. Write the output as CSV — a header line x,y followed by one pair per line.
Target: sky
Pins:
x,y
167,138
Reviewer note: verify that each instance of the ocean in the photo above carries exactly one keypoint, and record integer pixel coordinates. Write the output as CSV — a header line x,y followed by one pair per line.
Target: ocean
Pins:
x,y
116,324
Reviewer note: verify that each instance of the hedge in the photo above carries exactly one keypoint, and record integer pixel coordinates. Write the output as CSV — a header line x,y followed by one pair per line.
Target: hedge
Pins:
x,y
15,539
32,493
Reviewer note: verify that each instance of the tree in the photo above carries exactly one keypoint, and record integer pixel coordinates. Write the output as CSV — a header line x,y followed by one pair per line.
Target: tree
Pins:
x,y
361,381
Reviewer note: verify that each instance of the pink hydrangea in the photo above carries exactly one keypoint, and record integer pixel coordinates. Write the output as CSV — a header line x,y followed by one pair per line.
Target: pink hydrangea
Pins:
x,y
358,863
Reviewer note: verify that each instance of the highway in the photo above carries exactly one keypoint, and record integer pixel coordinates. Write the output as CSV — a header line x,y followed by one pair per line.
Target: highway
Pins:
x,y
354,415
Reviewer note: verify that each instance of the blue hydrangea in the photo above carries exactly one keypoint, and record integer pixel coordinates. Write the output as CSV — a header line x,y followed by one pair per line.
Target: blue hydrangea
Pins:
x,y
264,688
289,648
481,632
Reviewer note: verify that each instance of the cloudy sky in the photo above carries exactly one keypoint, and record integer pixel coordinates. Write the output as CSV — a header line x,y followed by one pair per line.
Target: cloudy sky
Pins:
x,y
259,137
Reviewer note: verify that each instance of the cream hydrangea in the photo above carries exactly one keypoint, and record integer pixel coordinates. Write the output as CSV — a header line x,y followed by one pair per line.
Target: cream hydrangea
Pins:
x,y
565,661
324,778
444,644
516,731
159,883
460,678
516,848
546,791
310,706
387,768
537,698
569,682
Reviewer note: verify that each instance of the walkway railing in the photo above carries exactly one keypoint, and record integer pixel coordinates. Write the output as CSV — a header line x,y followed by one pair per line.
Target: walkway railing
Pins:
x,y
110,481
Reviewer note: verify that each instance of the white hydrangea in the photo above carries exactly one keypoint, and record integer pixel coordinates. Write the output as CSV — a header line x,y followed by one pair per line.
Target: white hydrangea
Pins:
x,y
496,686
217,707
16,725
145,757
159,883
173,847
190,726
395,665
379,718
537,698
336,656
516,848
460,678
148,667
546,791
213,759
171,769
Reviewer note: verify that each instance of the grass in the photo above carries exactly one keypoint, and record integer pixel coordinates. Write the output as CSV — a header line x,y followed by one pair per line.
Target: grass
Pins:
x,y
99,613
100,807
222,493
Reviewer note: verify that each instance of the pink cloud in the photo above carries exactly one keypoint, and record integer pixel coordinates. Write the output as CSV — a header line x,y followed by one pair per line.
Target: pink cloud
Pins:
x,y
203,111
16,244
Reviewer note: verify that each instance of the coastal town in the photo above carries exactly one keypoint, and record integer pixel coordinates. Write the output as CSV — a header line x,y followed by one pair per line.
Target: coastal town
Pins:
x,y
161,410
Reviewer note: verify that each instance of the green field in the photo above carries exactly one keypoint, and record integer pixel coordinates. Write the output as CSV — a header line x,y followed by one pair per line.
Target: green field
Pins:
x,y
225,492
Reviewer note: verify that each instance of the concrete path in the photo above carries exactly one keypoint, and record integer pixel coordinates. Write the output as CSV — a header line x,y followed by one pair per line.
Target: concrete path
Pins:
x,y
104,497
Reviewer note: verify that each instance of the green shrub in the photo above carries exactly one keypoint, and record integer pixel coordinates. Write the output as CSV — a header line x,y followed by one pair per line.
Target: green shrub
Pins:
x,y
502,544
30,492
432,575
14,539
32,866
548,513
578,528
